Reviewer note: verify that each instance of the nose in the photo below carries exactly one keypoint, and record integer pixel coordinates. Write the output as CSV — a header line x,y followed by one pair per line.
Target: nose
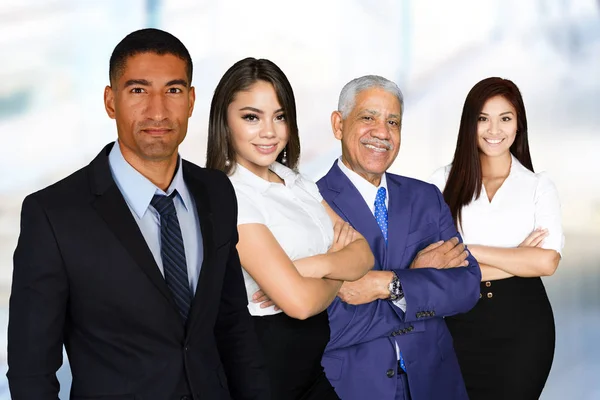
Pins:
x,y
381,130
268,129
494,127
157,107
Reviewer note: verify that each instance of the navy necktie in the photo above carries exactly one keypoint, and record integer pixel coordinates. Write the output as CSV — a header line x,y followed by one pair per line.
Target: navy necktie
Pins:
x,y
172,253
381,213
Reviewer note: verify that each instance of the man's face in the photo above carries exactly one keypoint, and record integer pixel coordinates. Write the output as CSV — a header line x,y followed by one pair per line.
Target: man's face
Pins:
x,y
370,134
151,101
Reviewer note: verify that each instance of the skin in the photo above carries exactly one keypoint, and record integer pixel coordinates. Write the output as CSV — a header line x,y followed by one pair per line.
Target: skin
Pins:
x,y
151,101
259,132
496,132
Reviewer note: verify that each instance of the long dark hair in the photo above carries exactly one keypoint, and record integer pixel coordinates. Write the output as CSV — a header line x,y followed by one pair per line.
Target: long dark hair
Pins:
x,y
239,77
465,179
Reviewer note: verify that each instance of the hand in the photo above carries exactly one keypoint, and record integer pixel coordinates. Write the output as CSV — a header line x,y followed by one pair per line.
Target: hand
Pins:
x,y
264,300
373,286
440,255
535,238
343,235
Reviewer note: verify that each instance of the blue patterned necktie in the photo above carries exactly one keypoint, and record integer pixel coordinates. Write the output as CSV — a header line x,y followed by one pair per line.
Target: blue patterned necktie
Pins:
x,y
172,253
381,214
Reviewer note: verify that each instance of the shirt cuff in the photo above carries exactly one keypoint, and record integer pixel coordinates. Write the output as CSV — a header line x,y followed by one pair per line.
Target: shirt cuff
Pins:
x,y
400,303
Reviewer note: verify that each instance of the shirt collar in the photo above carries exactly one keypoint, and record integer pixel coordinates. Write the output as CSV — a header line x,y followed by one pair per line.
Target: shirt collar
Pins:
x,y
137,189
367,190
243,174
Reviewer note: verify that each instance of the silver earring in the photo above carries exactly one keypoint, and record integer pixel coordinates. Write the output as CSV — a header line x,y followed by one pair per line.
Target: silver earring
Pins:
x,y
227,162
284,158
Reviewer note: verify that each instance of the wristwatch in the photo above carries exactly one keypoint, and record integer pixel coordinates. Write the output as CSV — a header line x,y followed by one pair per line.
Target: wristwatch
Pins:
x,y
395,288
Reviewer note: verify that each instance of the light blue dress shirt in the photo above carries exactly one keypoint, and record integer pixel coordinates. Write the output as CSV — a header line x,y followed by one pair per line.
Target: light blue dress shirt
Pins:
x,y
138,192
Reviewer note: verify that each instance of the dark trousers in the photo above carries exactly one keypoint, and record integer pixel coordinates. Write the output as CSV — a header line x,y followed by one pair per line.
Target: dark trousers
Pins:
x,y
293,349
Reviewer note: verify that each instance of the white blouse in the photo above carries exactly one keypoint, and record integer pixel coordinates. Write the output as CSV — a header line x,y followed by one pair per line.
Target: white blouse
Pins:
x,y
293,212
525,201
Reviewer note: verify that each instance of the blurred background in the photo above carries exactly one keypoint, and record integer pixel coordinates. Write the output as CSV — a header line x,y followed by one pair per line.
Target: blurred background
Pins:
x,y
55,65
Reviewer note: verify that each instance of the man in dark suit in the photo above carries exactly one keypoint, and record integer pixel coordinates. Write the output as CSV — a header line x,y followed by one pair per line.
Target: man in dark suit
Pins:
x,y
389,340
131,262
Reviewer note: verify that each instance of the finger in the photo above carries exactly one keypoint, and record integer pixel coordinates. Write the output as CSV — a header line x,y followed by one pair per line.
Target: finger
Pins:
x,y
458,260
539,239
350,237
432,246
449,245
258,295
344,233
456,250
337,228
267,304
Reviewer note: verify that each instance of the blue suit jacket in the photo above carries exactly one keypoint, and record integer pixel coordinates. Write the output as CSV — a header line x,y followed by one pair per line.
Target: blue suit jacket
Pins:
x,y
362,345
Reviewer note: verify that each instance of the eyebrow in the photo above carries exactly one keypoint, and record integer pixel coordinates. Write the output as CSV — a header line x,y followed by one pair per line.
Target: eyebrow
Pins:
x,y
504,113
374,112
145,82
256,110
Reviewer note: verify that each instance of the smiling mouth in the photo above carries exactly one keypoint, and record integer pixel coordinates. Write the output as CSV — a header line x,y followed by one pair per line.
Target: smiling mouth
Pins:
x,y
266,149
493,141
376,149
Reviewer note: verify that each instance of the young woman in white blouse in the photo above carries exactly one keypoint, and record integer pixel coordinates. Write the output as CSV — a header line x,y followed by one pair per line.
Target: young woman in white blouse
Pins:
x,y
288,247
510,220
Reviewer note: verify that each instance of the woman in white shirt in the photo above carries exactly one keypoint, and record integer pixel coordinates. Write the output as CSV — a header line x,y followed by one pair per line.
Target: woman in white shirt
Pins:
x,y
288,246
510,220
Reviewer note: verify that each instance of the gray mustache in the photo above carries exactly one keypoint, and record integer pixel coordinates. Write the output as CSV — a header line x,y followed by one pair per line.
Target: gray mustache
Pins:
x,y
379,142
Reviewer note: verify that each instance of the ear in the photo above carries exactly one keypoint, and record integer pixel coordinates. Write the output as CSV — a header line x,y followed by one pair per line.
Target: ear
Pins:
x,y
109,101
191,100
337,123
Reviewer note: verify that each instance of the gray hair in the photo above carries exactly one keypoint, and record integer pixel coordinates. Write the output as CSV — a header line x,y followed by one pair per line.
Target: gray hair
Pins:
x,y
348,95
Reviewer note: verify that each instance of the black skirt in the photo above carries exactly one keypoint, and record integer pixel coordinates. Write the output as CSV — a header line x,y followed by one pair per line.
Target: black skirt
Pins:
x,y
293,350
505,344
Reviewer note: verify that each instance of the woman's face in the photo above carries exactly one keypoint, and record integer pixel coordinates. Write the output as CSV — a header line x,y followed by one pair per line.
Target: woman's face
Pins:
x,y
496,127
258,127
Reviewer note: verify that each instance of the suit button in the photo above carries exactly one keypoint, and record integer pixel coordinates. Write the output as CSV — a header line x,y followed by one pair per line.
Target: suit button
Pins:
x,y
488,284
490,295
186,348
390,373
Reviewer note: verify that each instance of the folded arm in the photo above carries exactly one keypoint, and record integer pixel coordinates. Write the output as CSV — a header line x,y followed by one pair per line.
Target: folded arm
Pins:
x,y
438,291
37,310
268,264
346,262
518,261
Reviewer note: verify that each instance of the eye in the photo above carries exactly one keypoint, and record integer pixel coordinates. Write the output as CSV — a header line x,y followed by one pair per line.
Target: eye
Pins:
x,y
367,118
137,90
174,90
506,119
280,117
482,119
395,123
250,117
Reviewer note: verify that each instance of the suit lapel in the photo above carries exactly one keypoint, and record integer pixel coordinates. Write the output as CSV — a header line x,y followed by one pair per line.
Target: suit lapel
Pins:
x,y
199,191
398,219
113,209
348,200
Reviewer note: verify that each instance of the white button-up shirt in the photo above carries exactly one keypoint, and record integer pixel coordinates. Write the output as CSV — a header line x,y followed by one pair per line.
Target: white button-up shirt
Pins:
x,y
525,201
293,212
